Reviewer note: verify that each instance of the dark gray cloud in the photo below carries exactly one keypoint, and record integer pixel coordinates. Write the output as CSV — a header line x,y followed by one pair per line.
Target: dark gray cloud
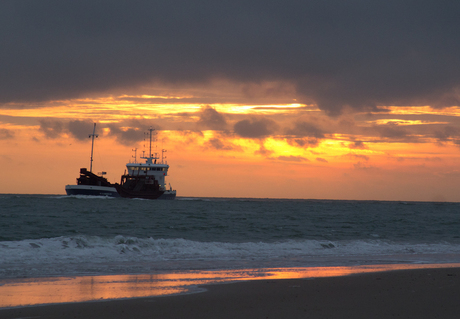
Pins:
x,y
6,134
127,136
447,133
304,142
56,128
358,145
336,53
292,158
211,119
305,129
255,127
218,144
51,128
392,131
80,129
128,132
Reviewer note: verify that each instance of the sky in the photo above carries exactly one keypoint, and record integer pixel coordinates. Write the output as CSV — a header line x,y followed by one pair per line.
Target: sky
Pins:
x,y
355,100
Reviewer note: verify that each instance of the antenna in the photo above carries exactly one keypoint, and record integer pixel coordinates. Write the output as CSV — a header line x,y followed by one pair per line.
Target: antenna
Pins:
x,y
163,151
135,155
150,145
144,144
92,146
150,156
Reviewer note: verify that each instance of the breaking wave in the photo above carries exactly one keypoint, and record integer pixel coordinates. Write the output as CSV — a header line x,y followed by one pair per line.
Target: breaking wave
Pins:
x,y
122,254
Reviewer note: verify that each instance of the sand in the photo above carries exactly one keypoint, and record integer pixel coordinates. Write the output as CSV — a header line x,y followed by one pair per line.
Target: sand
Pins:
x,y
426,293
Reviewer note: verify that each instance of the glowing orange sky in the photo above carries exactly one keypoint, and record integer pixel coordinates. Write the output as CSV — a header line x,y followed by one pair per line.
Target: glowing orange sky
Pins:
x,y
282,150
297,100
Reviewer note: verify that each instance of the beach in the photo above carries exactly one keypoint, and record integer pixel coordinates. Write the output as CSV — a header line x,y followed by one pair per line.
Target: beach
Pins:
x,y
419,293
70,257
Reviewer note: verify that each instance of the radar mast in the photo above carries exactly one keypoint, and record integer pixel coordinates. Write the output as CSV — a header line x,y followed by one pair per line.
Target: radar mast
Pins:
x,y
92,147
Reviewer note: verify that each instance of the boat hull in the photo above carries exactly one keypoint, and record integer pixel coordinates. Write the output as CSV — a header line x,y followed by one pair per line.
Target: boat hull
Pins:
x,y
88,190
91,190
168,195
123,192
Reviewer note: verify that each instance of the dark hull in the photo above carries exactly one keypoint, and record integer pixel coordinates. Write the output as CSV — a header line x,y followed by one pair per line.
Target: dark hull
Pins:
x,y
90,184
123,192
139,186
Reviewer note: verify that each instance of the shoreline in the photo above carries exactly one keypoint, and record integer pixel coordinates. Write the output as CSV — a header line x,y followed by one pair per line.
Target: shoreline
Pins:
x,y
405,293
420,293
21,292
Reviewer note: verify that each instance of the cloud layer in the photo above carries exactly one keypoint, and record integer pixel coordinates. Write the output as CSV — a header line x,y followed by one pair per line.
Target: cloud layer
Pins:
x,y
358,54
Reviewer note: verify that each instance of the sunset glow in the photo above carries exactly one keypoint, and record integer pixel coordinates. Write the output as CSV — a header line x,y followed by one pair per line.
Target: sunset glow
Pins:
x,y
307,153
291,101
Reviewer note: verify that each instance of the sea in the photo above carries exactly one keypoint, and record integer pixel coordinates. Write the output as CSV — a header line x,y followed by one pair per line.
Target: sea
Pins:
x,y
55,236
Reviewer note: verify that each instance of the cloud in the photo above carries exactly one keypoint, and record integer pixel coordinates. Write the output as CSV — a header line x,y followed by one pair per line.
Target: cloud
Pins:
x,y
361,166
255,127
337,54
306,134
80,129
358,156
447,133
322,160
51,128
126,132
305,129
358,145
217,144
304,142
392,131
292,158
268,90
263,151
127,136
211,119
6,134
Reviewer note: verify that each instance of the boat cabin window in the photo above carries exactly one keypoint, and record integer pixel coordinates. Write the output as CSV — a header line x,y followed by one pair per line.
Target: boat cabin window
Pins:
x,y
143,168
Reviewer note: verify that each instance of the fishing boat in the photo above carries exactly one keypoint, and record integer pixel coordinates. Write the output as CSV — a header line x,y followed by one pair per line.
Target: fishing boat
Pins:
x,y
89,183
146,180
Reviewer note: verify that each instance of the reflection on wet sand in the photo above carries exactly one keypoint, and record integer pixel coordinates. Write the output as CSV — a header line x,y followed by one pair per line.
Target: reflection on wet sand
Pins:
x,y
22,292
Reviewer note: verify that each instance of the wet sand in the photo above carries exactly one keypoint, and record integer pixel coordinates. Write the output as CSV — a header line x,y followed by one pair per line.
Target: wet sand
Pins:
x,y
423,293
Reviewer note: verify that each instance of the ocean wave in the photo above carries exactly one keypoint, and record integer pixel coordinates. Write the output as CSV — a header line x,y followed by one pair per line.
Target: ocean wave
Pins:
x,y
94,249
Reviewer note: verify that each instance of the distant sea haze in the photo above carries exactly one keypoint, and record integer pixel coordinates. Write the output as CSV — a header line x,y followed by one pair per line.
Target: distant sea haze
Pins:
x,y
44,236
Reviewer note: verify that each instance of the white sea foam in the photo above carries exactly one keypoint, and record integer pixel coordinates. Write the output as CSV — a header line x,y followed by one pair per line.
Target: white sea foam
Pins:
x,y
92,254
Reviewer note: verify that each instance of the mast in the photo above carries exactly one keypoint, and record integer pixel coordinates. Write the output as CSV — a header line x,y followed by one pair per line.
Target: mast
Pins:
x,y
92,147
150,146
163,151
135,154
150,157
